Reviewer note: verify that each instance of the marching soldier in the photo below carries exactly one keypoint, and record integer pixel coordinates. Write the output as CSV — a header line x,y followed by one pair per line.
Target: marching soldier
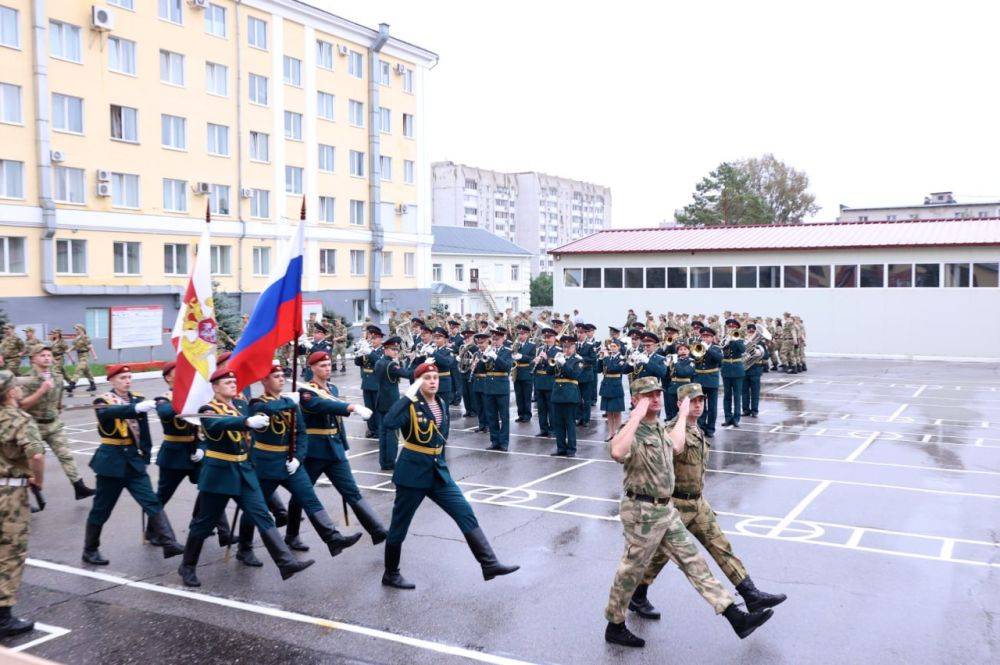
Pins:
x,y
566,397
652,525
338,340
59,350
369,382
733,375
495,364
588,361
84,348
522,353
320,344
690,449
228,474
800,350
42,399
311,323
326,454
706,373
789,345
22,463
388,371
11,348
177,457
544,372
421,471
278,452
120,464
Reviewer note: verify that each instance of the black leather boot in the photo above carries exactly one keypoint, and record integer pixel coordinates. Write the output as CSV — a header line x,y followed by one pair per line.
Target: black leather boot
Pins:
x,y
292,530
10,625
160,527
244,550
335,540
641,605
192,550
481,549
618,633
91,541
744,623
282,556
757,599
392,577
93,387
278,509
369,521
81,491
222,529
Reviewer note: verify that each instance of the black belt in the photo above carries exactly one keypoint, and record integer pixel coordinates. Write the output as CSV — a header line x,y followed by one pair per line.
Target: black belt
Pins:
x,y
684,496
45,421
647,498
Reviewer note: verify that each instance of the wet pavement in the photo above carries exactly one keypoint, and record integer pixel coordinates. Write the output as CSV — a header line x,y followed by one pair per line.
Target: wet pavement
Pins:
x,y
868,491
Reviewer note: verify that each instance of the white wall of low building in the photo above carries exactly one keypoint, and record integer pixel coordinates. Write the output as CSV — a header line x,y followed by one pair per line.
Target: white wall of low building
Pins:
x,y
950,322
506,291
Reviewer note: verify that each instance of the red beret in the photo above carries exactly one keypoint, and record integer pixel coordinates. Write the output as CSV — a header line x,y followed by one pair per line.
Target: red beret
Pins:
x,y
115,370
276,366
318,357
223,373
169,367
423,368
223,357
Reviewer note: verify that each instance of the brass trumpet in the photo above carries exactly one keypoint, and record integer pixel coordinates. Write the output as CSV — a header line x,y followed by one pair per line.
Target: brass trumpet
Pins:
x,y
735,335
698,350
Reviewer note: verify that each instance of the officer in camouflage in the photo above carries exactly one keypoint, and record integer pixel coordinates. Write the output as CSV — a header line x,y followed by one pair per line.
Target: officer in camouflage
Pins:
x,y
22,461
43,400
83,348
652,525
697,514
338,342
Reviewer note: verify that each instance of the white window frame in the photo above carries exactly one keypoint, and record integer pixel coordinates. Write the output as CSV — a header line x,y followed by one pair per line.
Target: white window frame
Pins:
x,y
322,106
356,113
171,130
125,189
124,113
327,259
5,253
172,64
293,179
409,171
8,165
293,126
408,81
65,35
384,120
387,264
292,71
356,64
131,258
217,195
212,20
124,4
409,122
324,55
216,74
254,87
221,257
515,272
175,254
214,131
11,112
61,105
256,32
174,191
358,262
255,145
327,158
257,197
357,208
62,175
171,11
437,272
460,272
384,73
357,164
359,308
409,264
10,17
385,167
327,209
261,261
121,56
71,264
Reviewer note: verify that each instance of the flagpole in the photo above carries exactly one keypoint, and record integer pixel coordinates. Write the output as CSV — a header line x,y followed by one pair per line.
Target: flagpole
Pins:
x,y
297,328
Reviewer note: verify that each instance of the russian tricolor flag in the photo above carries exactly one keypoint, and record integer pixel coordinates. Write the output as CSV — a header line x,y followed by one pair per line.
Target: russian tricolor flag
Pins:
x,y
277,317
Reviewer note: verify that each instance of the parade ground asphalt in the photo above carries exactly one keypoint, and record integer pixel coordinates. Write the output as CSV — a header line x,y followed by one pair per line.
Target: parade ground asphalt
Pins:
x,y
868,491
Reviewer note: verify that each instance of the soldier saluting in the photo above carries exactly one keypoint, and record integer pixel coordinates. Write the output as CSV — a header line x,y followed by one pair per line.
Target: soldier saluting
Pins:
x,y
22,462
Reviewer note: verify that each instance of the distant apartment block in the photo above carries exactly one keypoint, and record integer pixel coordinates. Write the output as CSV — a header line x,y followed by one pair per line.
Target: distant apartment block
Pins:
x,y
536,211
938,205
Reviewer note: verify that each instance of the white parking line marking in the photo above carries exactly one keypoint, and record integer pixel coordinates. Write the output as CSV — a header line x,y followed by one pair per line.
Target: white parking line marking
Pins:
x,y
426,645
895,414
919,391
783,386
541,480
862,448
799,508
52,632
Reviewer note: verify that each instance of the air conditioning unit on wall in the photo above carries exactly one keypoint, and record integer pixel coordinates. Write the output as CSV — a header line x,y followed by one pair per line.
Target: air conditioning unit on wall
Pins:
x,y
104,189
101,18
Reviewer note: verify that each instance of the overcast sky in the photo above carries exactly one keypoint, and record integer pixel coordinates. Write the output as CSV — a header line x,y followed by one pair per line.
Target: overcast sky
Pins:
x,y
878,102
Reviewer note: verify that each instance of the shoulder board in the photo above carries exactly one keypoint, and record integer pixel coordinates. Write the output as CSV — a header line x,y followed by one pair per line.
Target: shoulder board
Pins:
x,y
213,407
139,395
265,398
105,398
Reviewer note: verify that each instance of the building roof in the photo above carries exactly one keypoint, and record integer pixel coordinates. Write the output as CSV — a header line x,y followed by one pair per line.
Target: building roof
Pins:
x,y
827,235
442,289
460,240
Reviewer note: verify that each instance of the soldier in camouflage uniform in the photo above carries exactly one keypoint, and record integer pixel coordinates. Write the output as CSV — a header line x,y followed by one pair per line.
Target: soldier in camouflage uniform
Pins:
x,y
338,343
11,349
789,345
652,525
697,514
43,400
83,348
59,350
22,461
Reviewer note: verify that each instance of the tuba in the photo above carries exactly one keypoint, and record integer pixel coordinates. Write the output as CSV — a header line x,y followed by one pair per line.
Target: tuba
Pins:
x,y
755,353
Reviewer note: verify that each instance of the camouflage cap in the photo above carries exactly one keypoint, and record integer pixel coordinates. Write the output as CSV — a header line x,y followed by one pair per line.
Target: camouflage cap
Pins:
x,y
646,384
38,347
692,390
7,381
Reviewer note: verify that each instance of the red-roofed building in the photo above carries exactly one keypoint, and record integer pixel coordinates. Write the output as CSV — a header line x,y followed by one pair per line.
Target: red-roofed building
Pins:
x,y
906,279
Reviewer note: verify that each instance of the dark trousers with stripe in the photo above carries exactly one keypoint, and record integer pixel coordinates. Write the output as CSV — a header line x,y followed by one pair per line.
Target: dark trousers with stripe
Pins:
x,y
497,409
109,489
445,494
212,506
522,396
564,424
583,406
751,393
732,398
543,402
298,485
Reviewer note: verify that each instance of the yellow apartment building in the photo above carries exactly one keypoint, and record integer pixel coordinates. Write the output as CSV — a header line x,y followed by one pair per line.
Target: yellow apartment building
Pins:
x,y
121,121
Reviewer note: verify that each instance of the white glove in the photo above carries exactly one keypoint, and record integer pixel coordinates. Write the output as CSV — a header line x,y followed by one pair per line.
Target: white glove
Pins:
x,y
560,359
257,421
197,455
292,466
411,392
516,356
292,396
363,411
145,406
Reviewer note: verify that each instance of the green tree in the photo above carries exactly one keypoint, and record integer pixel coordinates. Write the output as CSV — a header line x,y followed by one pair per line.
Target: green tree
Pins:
x,y
760,190
227,312
541,290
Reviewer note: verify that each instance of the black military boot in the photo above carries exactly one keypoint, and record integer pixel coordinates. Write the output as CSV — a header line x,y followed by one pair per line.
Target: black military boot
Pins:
x,y
757,599
292,530
278,509
335,540
152,537
70,385
369,521
641,605
91,541
618,633
244,550
282,556
93,387
10,625
392,577
744,623
222,530
480,547
160,527
81,491
192,550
